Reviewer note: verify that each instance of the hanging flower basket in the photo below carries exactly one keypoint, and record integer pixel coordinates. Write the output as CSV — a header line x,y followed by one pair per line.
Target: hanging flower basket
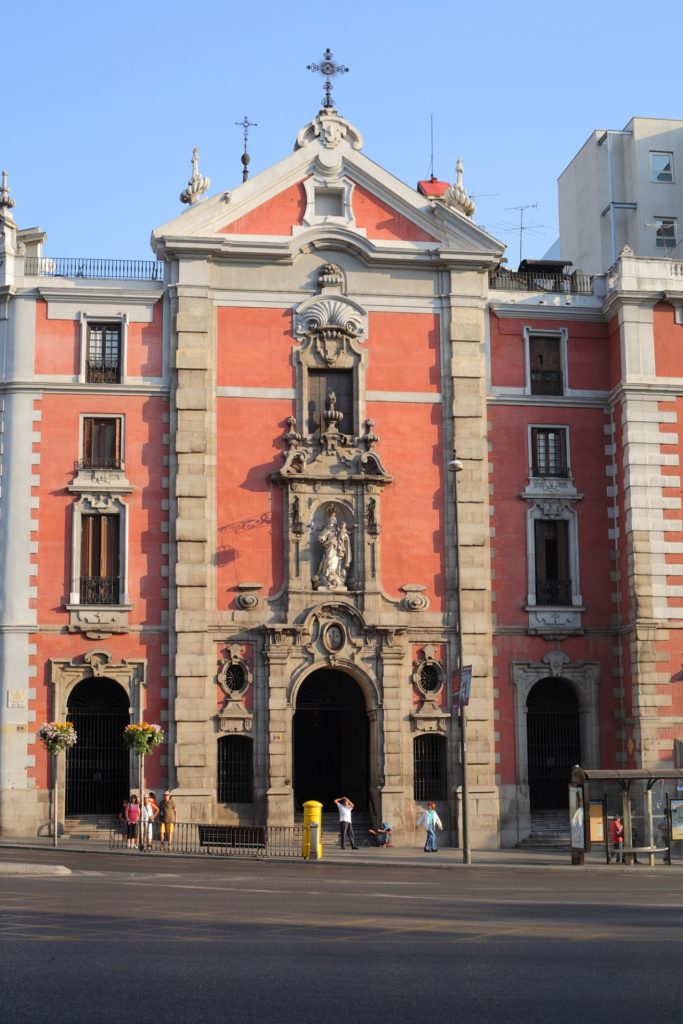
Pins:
x,y
57,736
142,737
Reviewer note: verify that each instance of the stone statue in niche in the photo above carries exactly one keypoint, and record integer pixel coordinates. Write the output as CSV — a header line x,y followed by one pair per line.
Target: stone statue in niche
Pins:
x,y
336,558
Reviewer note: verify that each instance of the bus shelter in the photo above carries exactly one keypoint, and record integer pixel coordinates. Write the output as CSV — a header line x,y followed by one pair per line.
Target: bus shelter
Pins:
x,y
651,826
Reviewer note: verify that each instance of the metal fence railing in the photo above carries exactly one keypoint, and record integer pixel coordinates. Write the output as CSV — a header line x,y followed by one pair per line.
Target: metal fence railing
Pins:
x,y
221,840
72,266
541,281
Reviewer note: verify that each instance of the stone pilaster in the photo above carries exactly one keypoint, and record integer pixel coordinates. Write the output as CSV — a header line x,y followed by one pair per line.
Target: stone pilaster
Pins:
x,y
193,474
469,433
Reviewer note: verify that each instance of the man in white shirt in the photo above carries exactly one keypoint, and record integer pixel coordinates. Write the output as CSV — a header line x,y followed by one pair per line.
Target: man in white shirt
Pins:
x,y
344,806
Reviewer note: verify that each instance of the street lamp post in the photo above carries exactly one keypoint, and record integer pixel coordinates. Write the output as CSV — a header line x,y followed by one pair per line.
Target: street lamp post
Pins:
x,y
455,466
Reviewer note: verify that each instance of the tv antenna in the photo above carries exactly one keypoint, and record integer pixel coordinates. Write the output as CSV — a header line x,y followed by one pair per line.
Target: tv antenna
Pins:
x,y
522,226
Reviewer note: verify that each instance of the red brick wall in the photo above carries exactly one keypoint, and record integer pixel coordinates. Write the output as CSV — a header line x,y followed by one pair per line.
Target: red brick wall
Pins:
x,y
276,216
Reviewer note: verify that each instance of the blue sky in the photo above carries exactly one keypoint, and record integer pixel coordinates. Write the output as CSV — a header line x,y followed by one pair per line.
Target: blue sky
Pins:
x,y
102,104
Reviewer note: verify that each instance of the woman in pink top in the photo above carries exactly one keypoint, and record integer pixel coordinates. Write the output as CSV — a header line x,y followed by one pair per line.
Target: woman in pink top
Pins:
x,y
133,819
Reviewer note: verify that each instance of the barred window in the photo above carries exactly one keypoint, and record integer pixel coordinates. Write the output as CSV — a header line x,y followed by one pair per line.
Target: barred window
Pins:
x,y
235,770
549,451
429,767
103,364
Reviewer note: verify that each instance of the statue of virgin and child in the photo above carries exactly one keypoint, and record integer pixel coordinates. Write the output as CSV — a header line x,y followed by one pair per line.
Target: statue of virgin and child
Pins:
x,y
336,558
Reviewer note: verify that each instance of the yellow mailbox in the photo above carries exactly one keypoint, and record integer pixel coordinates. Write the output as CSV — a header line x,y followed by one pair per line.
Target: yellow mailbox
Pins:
x,y
312,845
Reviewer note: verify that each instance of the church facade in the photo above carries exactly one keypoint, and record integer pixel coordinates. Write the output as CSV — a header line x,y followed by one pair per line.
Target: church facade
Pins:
x,y
275,490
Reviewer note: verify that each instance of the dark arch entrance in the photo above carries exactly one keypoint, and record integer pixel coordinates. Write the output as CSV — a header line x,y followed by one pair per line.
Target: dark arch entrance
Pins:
x,y
553,742
97,767
331,751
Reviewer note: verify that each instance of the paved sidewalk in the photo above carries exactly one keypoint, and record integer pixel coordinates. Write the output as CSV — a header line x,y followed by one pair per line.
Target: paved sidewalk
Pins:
x,y
446,857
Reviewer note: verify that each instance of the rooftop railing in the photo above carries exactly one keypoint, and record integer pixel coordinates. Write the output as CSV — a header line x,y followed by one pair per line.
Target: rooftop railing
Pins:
x,y
541,281
67,266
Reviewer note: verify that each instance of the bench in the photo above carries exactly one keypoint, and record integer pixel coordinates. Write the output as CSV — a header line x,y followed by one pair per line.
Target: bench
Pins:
x,y
629,853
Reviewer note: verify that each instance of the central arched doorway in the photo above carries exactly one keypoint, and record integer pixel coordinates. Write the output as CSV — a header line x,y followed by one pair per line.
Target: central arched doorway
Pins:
x,y
331,741
97,767
553,742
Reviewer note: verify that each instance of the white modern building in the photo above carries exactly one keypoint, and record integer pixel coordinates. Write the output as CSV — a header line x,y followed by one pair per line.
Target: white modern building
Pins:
x,y
623,188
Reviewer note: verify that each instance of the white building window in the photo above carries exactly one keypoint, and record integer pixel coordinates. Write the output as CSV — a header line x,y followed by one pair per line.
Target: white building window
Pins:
x,y
661,167
666,233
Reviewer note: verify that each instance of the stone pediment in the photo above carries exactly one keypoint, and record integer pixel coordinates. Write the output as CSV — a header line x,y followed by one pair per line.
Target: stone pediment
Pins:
x,y
326,167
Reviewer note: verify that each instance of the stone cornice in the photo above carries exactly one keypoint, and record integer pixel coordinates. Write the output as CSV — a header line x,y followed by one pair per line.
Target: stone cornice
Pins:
x,y
543,311
600,401
38,388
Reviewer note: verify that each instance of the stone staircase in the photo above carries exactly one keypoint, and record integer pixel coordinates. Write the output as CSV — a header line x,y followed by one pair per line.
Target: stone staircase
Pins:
x,y
361,823
90,826
549,831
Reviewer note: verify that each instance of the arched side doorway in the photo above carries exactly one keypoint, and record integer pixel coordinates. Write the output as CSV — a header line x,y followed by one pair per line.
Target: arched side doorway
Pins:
x,y
97,768
331,741
553,742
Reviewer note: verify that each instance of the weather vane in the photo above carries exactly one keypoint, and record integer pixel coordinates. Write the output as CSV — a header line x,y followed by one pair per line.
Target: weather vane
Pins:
x,y
245,125
328,69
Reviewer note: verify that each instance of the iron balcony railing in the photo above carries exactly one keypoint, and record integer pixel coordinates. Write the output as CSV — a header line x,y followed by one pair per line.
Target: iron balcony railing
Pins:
x,y
99,589
541,281
100,462
102,372
219,840
554,592
67,266
546,382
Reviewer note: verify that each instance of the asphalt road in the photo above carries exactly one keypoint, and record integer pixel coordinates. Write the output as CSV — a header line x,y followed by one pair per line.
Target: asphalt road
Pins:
x,y
186,941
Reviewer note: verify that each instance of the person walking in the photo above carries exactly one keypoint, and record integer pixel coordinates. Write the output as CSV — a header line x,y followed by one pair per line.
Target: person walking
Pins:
x,y
168,816
344,806
430,821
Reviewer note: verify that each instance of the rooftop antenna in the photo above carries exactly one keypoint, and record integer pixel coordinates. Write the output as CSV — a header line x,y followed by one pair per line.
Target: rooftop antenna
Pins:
x,y
431,147
327,68
522,228
245,125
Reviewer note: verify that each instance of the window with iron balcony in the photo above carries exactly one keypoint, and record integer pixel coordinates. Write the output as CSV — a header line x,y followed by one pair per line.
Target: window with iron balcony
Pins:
x,y
102,443
103,359
100,582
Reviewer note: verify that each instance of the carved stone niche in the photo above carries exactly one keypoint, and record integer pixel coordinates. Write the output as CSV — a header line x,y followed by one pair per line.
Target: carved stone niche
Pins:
x,y
429,679
234,679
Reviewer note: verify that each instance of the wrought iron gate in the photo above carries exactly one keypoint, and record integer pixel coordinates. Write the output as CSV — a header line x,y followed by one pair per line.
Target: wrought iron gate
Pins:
x,y
553,742
97,768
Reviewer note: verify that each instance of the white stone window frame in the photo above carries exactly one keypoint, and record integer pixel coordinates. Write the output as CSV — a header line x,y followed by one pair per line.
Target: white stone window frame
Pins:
x,y
654,173
104,504
563,335
530,448
330,310
102,416
317,185
567,514
88,319
666,243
